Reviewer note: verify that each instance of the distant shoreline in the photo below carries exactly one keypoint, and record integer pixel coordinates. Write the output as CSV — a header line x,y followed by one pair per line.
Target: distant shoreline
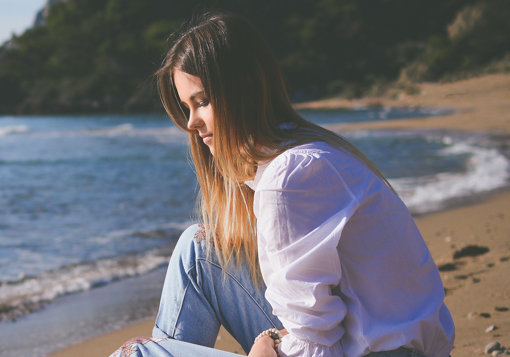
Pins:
x,y
482,104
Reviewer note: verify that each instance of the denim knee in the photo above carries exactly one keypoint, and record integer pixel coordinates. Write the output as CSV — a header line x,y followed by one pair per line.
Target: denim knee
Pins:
x,y
189,247
182,263
184,306
135,345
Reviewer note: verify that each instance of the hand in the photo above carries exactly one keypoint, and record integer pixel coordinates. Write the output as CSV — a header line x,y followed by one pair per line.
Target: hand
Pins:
x,y
264,347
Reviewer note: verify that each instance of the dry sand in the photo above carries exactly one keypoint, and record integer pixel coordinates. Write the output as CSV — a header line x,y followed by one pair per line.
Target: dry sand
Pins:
x,y
477,284
474,284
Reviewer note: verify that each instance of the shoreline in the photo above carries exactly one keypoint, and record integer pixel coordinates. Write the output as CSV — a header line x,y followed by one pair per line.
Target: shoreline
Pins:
x,y
473,283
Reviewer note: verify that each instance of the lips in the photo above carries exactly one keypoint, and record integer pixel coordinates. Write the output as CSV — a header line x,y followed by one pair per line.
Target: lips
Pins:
x,y
207,139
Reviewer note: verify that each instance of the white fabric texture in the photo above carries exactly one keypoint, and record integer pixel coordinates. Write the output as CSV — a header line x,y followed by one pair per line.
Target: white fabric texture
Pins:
x,y
346,269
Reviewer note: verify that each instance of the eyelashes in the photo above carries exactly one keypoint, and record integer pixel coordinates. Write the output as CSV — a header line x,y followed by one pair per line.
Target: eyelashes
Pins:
x,y
204,103
186,111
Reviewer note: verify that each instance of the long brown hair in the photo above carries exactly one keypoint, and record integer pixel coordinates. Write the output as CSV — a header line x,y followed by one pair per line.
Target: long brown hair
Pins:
x,y
247,93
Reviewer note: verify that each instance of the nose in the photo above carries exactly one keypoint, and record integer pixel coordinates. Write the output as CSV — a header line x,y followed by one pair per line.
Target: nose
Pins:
x,y
194,121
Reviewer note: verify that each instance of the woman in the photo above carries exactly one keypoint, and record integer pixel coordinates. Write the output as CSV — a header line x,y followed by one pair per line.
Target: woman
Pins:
x,y
290,206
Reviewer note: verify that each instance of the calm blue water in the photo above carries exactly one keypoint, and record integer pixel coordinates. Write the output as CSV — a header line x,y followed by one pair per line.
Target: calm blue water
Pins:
x,y
364,115
89,200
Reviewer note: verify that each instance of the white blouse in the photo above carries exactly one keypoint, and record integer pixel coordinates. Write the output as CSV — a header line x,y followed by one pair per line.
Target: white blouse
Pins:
x,y
346,269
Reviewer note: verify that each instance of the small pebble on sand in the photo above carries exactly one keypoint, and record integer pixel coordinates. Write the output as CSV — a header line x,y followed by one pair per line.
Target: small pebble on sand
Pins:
x,y
498,353
472,314
491,328
493,346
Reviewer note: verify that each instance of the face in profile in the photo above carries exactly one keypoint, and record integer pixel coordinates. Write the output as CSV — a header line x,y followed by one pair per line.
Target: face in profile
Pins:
x,y
192,96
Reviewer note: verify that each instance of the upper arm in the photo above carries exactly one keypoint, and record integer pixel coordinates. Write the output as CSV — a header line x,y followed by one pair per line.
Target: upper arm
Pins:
x,y
299,194
304,204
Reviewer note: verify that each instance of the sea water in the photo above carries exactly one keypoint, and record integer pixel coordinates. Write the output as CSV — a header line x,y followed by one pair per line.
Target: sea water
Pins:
x,y
88,200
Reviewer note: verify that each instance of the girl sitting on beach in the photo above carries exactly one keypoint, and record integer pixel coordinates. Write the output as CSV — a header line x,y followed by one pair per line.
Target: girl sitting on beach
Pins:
x,y
305,249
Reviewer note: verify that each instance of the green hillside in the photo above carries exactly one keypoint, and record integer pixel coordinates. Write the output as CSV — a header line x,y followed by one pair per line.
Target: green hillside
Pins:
x,y
99,55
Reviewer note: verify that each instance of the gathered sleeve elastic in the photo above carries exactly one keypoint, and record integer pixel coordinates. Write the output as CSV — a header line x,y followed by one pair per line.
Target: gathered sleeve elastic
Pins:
x,y
302,204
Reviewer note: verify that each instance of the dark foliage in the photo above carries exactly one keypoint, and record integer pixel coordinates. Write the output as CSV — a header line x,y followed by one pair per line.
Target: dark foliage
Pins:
x,y
479,34
99,55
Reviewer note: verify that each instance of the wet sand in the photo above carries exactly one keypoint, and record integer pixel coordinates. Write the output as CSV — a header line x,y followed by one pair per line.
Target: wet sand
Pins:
x,y
471,244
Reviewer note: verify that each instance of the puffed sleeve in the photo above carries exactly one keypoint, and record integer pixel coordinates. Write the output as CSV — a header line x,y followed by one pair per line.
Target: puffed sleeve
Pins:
x,y
302,206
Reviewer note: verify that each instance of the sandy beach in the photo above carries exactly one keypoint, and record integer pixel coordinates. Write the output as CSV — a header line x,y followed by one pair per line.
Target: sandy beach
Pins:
x,y
470,244
481,104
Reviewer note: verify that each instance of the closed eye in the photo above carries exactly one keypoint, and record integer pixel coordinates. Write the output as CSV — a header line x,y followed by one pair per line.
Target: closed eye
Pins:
x,y
204,103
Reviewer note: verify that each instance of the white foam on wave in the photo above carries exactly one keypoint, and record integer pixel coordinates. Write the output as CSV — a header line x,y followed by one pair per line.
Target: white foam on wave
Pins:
x,y
115,130
166,134
75,278
170,134
486,170
21,294
14,129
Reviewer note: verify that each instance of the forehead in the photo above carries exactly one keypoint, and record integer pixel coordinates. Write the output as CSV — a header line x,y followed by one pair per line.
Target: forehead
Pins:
x,y
186,84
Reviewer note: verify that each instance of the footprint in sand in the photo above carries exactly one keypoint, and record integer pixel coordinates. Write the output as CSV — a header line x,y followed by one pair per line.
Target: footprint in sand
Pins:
x,y
470,251
457,264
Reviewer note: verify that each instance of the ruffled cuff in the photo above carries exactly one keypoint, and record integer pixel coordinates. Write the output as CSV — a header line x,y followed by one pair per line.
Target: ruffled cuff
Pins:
x,y
292,346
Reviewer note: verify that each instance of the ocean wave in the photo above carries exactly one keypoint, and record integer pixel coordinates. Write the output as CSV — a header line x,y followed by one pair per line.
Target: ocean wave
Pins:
x,y
486,170
29,293
130,130
115,130
163,135
15,129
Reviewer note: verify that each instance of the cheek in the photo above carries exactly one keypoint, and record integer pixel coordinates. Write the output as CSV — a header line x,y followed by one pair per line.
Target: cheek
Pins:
x,y
210,118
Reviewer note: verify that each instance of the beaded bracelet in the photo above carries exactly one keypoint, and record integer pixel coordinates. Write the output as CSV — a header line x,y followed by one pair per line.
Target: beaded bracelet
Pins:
x,y
275,334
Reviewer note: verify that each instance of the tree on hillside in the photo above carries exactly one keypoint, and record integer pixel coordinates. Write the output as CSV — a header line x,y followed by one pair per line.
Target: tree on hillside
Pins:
x,y
479,34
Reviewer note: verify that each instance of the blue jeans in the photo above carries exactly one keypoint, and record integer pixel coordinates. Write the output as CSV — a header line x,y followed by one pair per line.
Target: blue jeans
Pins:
x,y
198,297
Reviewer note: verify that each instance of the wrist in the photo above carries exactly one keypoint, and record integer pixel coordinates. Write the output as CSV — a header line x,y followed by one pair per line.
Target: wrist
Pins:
x,y
271,337
266,340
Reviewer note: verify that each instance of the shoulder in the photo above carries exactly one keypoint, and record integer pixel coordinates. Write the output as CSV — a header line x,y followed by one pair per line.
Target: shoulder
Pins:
x,y
314,149
319,166
312,156
308,164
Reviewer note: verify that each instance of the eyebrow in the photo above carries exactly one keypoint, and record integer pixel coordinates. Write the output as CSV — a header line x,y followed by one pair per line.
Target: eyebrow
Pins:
x,y
192,98
195,94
